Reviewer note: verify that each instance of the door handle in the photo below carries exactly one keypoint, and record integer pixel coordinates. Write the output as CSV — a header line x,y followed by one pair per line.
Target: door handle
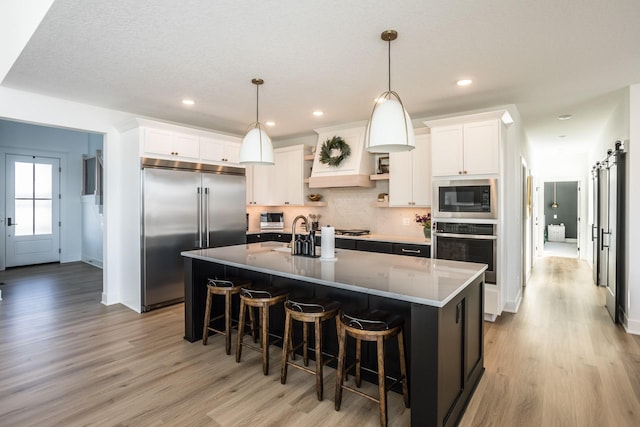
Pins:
x,y
206,217
9,222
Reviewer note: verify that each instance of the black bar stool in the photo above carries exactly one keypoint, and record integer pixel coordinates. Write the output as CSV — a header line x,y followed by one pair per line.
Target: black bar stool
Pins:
x,y
309,311
263,299
226,287
375,326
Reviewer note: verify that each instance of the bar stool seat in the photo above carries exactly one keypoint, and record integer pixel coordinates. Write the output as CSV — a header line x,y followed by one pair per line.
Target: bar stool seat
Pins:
x,y
226,287
309,311
374,326
262,298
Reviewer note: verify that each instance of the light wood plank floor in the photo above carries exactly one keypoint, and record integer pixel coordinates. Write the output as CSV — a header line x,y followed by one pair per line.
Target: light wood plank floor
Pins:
x,y
65,359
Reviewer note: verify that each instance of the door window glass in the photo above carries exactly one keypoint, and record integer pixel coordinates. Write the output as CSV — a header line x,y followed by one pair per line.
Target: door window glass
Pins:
x,y
33,198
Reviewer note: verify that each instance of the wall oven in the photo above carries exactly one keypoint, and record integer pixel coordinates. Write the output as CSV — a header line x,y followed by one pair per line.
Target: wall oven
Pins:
x,y
467,242
474,198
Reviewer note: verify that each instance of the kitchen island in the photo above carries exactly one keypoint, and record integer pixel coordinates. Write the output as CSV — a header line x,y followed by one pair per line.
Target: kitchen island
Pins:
x,y
441,302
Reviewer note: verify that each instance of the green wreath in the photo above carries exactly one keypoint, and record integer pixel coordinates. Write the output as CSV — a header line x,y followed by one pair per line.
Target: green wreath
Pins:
x,y
335,143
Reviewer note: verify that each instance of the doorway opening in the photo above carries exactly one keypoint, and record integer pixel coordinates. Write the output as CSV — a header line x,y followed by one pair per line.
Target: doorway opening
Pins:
x,y
561,219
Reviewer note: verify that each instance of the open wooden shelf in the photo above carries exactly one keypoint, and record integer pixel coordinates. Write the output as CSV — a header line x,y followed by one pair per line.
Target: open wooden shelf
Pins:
x,y
315,204
377,204
379,177
308,156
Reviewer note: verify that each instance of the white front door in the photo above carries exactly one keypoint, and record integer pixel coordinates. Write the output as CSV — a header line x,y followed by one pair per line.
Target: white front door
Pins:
x,y
32,210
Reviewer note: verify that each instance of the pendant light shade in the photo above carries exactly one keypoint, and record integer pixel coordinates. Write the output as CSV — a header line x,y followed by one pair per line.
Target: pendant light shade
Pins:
x,y
554,205
390,129
256,147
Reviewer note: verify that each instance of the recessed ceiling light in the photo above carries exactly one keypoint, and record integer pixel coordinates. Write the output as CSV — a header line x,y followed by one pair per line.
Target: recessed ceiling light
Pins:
x,y
318,113
464,82
270,123
565,117
188,101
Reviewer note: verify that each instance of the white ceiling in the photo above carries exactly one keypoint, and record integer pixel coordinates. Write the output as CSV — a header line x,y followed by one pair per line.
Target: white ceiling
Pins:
x,y
548,57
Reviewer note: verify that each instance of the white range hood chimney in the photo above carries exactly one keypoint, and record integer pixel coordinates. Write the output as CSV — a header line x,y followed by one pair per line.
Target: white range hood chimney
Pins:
x,y
354,170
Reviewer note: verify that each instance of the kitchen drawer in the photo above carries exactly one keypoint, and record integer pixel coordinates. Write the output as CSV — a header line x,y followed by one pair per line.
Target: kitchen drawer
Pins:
x,y
255,238
345,244
412,250
280,237
369,246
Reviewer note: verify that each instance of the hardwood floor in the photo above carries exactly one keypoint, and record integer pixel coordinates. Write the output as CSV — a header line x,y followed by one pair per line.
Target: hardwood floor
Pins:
x,y
65,359
560,361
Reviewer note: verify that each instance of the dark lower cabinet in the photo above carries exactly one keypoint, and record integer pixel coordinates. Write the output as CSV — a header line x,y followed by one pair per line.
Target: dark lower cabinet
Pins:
x,y
457,359
345,244
443,345
374,246
268,237
423,251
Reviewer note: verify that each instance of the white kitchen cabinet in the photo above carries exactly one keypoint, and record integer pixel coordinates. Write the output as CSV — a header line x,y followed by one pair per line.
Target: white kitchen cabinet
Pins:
x,y
466,149
159,142
260,185
410,175
220,150
289,175
281,184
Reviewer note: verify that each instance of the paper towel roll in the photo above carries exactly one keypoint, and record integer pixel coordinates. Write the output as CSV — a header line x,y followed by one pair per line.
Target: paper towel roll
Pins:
x,y
328,243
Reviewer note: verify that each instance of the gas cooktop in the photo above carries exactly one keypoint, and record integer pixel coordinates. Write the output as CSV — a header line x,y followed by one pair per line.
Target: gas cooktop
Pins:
x,y
351,232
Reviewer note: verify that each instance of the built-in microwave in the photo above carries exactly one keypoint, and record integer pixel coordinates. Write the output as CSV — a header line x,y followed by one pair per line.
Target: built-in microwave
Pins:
x,y
468,198
271,220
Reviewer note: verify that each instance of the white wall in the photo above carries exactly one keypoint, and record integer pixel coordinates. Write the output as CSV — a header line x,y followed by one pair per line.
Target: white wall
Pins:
x,y
632,318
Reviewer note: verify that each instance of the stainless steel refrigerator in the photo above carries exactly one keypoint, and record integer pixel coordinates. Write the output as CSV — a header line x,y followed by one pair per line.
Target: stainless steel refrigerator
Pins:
x,y
185,206
611,221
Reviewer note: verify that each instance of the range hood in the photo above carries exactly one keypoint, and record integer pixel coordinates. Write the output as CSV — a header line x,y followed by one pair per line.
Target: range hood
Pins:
x,y
354,171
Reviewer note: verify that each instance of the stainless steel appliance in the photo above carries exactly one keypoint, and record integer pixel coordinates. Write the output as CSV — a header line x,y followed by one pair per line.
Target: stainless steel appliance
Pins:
x,y
468,198
467,242
611,219
271,220
185,206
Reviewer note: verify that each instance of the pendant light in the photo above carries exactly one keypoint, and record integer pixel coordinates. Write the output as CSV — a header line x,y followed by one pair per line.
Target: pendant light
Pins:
x,y
390,129
256,148
554,205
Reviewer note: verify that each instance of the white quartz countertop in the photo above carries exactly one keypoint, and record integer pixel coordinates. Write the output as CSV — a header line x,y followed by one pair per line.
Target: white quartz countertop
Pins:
x,y
425,281
374,236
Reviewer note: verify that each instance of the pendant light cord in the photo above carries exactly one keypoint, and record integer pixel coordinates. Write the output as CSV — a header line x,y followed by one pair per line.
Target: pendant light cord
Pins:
x,y
257,101
389,58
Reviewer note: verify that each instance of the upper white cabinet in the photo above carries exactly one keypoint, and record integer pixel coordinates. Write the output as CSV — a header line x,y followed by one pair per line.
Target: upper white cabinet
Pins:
x,y
220,150
261,181
170,144
466,149
289,175
281,184
166,141
410,174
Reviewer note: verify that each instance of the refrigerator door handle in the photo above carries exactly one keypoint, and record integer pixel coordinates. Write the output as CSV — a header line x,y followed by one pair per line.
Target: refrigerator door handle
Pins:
x,y
199,216
602,238
206,216
594,236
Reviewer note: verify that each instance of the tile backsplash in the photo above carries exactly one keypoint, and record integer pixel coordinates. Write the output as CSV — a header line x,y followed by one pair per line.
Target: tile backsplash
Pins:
x,y
351,208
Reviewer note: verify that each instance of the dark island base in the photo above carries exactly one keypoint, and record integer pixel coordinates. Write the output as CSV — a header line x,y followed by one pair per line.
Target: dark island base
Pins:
x,y
444,346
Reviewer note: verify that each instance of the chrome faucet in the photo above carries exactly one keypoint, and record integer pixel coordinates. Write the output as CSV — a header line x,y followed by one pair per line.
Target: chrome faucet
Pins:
x,y
293,232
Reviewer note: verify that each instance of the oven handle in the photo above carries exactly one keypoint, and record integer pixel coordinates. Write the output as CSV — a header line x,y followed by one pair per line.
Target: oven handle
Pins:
x,y
466,236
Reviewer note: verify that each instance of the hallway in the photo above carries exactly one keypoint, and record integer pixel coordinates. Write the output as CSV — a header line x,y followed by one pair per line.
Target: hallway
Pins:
x,y
560,361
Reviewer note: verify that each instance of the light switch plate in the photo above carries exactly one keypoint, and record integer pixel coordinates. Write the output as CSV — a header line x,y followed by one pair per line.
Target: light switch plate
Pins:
x,y
555,216
405,221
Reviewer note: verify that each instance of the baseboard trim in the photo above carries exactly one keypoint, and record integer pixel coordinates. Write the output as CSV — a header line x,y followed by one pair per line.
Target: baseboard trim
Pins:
x,y
630,325
513,306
